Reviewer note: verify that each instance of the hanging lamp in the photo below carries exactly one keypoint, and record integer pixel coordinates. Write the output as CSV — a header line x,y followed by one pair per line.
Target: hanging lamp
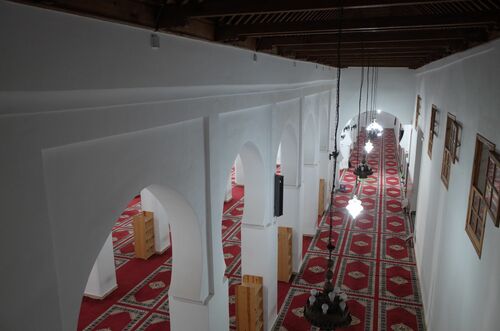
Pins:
x,y
327,309
354,207
375,128
368,146
363,170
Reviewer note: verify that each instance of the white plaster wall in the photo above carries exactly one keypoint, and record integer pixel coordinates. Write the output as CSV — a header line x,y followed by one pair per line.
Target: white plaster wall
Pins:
x,y
395,93
95,117
64,41
460,291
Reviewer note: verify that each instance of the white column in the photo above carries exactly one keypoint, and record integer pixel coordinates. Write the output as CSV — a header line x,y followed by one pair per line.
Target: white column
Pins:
x,y
102,278
259,256
211,315
290,218
239,176
310,189
187,315
162,230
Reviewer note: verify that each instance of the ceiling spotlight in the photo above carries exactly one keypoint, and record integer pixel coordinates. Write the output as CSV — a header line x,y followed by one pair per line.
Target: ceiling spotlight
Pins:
x,y
354,207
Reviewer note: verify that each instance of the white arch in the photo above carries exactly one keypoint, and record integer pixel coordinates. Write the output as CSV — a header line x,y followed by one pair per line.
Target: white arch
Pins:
x,y
253,168
187,251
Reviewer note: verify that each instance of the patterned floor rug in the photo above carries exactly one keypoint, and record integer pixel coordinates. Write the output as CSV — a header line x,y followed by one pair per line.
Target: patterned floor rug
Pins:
x,y
373,264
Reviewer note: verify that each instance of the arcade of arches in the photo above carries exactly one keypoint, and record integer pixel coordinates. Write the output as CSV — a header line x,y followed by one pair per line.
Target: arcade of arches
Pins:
x,y
97,127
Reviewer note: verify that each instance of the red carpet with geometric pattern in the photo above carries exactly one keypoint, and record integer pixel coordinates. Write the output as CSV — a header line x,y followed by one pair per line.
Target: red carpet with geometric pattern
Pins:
x,y
372,263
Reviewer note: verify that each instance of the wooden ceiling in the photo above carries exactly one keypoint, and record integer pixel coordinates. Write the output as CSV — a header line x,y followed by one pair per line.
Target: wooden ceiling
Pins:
x,y
384,33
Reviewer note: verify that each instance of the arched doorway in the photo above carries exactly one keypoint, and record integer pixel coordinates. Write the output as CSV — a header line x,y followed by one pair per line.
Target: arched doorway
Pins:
x,y
153,284
245,208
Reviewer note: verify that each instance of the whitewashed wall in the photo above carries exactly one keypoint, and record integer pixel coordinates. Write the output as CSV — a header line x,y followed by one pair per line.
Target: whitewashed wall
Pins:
x,y
460,291
86,104
395,93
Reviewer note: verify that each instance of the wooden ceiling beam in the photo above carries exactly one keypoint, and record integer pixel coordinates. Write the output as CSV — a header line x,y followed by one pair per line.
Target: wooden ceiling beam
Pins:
x,y
367,60
459,34
218,8
403,45
384,63
393,23
131,12
367,54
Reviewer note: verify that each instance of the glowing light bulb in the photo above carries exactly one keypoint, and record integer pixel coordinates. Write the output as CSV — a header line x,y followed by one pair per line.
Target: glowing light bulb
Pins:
x,y
324,307
379,111
354,207
368,146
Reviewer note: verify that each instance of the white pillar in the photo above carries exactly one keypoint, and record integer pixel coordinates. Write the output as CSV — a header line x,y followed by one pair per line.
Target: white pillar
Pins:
x,y
102,278
290,218
239,175
211,315
162,231
259,256
310,189
187,315
229,190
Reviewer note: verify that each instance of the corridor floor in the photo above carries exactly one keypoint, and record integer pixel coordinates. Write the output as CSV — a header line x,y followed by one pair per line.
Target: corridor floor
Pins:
x,y
372,263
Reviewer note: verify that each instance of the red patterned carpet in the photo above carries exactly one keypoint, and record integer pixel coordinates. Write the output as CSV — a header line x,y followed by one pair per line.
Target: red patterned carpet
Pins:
x,y
372,263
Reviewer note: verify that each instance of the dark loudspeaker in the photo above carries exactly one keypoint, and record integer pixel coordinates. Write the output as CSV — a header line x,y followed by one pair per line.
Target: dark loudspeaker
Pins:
x,y
278,195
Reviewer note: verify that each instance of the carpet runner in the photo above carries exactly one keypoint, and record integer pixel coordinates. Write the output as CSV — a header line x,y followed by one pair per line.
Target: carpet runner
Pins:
x,y
372,262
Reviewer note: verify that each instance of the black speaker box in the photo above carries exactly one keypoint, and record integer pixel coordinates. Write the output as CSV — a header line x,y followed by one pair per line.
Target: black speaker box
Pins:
x,y
278,195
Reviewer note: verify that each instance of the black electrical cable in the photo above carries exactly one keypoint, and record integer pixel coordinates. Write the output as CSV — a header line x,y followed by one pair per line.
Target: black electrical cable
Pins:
x,y
335,147
159,15
367,95
359,110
